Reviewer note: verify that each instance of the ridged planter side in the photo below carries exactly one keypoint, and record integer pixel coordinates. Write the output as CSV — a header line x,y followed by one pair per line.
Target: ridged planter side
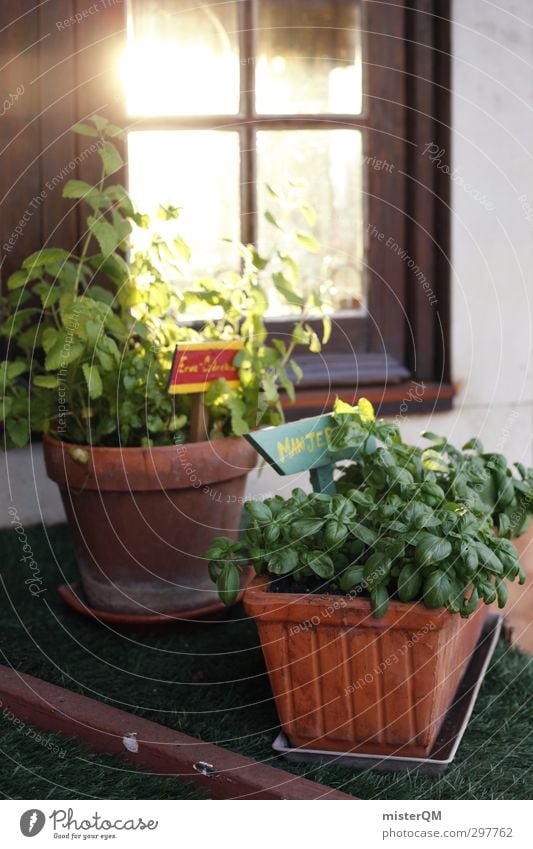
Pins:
x,y
142,517
344,681
518,612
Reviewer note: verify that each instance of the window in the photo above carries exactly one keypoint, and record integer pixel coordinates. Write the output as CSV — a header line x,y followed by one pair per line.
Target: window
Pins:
x,y
271,90
225,96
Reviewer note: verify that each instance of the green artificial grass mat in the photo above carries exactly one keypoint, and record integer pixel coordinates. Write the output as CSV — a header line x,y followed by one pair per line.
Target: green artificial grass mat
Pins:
x,y
210,681
36,765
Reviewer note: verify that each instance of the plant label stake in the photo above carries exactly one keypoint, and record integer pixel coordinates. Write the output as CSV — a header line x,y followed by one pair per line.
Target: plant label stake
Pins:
x,y
301,446
196,365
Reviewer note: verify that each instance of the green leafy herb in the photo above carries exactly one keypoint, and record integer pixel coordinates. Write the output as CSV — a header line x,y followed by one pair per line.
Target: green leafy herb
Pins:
x,y
401,526
112,312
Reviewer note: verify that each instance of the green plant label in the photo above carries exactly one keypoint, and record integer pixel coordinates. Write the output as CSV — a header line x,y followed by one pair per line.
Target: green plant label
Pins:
x,y
298,446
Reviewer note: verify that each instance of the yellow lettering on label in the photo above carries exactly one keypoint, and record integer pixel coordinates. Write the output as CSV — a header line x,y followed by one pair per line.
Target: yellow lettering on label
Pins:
x,y
297,445
290,447
218,367
328,430
320,439
310,439
284,450
183,368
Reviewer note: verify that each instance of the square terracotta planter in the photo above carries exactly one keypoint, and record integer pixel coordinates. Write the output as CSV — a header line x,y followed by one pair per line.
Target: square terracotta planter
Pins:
x,y
344,681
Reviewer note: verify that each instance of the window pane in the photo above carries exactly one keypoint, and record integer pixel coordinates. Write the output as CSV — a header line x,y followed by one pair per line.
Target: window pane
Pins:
x,y
199,171
182,58
333,158
308,57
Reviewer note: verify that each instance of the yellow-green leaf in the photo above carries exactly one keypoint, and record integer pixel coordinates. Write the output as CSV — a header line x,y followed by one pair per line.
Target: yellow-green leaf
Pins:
x,y
63,352
5,407
111,158
104,233
49,338
45,381
84,130
17,280
93,380
314,342
365,410
326,330
307,241
19,432
341,406
46,256
77,189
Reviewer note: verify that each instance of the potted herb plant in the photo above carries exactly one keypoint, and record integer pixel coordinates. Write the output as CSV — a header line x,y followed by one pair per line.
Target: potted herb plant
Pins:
x,y
90,338
369,601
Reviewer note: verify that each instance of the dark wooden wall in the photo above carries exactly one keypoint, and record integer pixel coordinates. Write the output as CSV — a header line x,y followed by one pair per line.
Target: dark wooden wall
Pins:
x,y
66,71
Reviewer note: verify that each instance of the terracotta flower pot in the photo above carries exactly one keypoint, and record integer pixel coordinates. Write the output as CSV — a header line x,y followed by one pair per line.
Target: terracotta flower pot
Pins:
x,y
142,517
345,681
520,603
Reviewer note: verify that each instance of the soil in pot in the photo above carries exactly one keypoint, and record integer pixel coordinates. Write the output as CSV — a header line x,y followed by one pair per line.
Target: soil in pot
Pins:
x,y
344,681
142,517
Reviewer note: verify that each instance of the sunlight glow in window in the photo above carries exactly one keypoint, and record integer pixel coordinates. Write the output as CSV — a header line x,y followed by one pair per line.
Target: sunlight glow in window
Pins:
x,y
182,59
189,81
197,170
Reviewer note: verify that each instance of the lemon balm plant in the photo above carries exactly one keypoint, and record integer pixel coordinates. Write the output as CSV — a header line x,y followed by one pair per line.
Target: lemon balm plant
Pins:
x,y
97,332
90,335
390,573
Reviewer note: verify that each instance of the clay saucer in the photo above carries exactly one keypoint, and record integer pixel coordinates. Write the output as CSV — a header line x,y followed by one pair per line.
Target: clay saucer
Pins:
x,y
74,596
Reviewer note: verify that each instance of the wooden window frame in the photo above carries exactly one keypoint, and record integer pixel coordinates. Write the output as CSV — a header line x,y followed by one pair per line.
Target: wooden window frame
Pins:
x,y
406,105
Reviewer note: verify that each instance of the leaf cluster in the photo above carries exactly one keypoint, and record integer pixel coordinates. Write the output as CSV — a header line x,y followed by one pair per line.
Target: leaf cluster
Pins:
x,y
406,524
90,332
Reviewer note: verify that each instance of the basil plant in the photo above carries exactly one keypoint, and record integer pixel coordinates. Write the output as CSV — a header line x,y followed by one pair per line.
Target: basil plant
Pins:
x,y
406,524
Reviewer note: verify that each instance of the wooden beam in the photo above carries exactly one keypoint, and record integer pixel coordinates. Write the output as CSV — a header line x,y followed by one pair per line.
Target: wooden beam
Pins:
x,y
163,751
403,399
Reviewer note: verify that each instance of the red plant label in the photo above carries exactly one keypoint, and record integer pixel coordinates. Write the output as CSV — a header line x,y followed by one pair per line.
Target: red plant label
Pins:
x,y
196,365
